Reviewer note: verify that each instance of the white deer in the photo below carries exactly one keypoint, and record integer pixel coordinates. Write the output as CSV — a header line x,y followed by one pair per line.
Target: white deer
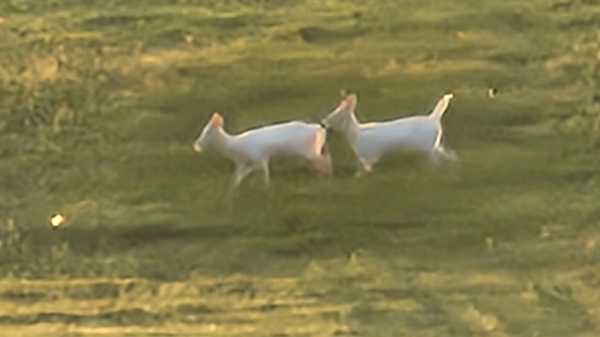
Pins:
x,y
370,141
252,150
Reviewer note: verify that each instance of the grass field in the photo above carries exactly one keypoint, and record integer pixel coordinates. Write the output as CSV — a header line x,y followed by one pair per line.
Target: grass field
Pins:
x,y
100,104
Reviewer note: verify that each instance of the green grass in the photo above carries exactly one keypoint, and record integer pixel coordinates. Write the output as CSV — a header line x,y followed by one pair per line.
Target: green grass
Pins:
x,y
100,103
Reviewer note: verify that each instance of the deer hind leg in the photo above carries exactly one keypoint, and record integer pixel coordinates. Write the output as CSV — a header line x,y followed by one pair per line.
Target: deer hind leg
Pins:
x,y
447,154
439,153
434,156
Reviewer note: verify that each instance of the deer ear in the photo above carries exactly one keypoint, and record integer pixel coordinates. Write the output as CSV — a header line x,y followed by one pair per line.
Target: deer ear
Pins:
x,y
216,120
351,101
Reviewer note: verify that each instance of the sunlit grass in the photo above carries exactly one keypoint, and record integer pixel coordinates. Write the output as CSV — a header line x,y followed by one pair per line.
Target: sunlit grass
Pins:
x,y
100,103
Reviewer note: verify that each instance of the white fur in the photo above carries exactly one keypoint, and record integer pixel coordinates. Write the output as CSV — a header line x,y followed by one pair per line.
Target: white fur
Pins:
x,y
370,141
252,150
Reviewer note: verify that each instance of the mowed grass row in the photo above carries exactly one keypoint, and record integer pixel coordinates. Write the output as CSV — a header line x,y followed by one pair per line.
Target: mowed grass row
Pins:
x,y
103,101
360,295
